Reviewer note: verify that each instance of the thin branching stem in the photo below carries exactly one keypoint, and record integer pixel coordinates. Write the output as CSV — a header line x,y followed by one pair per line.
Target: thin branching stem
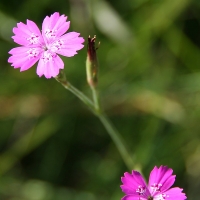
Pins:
x,y
97,111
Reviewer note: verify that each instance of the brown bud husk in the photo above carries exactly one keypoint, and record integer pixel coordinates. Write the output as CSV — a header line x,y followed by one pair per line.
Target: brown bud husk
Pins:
x,y
92,63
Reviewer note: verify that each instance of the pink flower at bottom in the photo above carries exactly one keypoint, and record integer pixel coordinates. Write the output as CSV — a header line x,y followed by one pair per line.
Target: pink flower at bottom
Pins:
x,y
158,188
45,46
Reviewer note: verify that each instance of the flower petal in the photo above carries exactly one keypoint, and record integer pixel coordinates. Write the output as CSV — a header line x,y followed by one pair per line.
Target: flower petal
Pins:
x,y
133,197
172,194
28,35
134,184
160,179
49,65
24,57
68,44
54,26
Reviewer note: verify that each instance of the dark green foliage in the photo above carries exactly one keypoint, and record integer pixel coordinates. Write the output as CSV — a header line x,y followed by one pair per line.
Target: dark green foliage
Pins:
x,y
53,148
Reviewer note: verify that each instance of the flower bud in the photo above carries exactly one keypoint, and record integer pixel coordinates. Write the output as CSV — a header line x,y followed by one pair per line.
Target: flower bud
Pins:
x,y
91,62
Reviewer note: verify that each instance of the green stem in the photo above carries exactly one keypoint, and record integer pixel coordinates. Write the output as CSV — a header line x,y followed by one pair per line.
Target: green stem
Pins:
x,y
95,108
114,134
80,95
96,99
116,137
61,78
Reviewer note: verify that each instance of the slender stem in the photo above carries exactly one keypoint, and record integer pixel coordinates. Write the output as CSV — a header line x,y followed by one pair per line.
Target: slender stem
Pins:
x,y
96,99
81,96
119,142
114,134
95,108
61,78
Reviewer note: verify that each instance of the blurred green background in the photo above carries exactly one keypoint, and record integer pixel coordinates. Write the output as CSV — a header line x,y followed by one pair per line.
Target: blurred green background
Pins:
x,y
53,148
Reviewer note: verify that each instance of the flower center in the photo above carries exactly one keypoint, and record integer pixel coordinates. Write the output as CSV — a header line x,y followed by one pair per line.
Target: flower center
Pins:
x,y
33,53
34,39
141,190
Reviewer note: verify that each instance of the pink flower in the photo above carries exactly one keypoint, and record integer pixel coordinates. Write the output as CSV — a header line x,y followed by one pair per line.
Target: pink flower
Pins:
x,y
160,181
44,46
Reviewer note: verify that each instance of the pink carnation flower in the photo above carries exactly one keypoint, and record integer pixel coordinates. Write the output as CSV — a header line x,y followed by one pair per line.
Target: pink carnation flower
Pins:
x,y
160,181
44,46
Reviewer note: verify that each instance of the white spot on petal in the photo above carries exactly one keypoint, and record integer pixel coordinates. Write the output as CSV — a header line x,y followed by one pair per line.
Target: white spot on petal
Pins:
x,y
57,45
50,33
161,197
34,39
141,190
48,56
33,53
156,187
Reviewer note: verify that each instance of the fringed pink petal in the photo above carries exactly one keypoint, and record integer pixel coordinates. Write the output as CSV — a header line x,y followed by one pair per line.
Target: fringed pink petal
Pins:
x,y
54,26
49,65
134,184
161,179
133,197
68,44
27,34
23,57
172,194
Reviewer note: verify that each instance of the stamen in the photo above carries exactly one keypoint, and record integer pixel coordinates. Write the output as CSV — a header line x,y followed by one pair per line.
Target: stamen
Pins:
x,y
33,53
161,197
141,190
57,45
48,56
156,187
34,39
50,33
